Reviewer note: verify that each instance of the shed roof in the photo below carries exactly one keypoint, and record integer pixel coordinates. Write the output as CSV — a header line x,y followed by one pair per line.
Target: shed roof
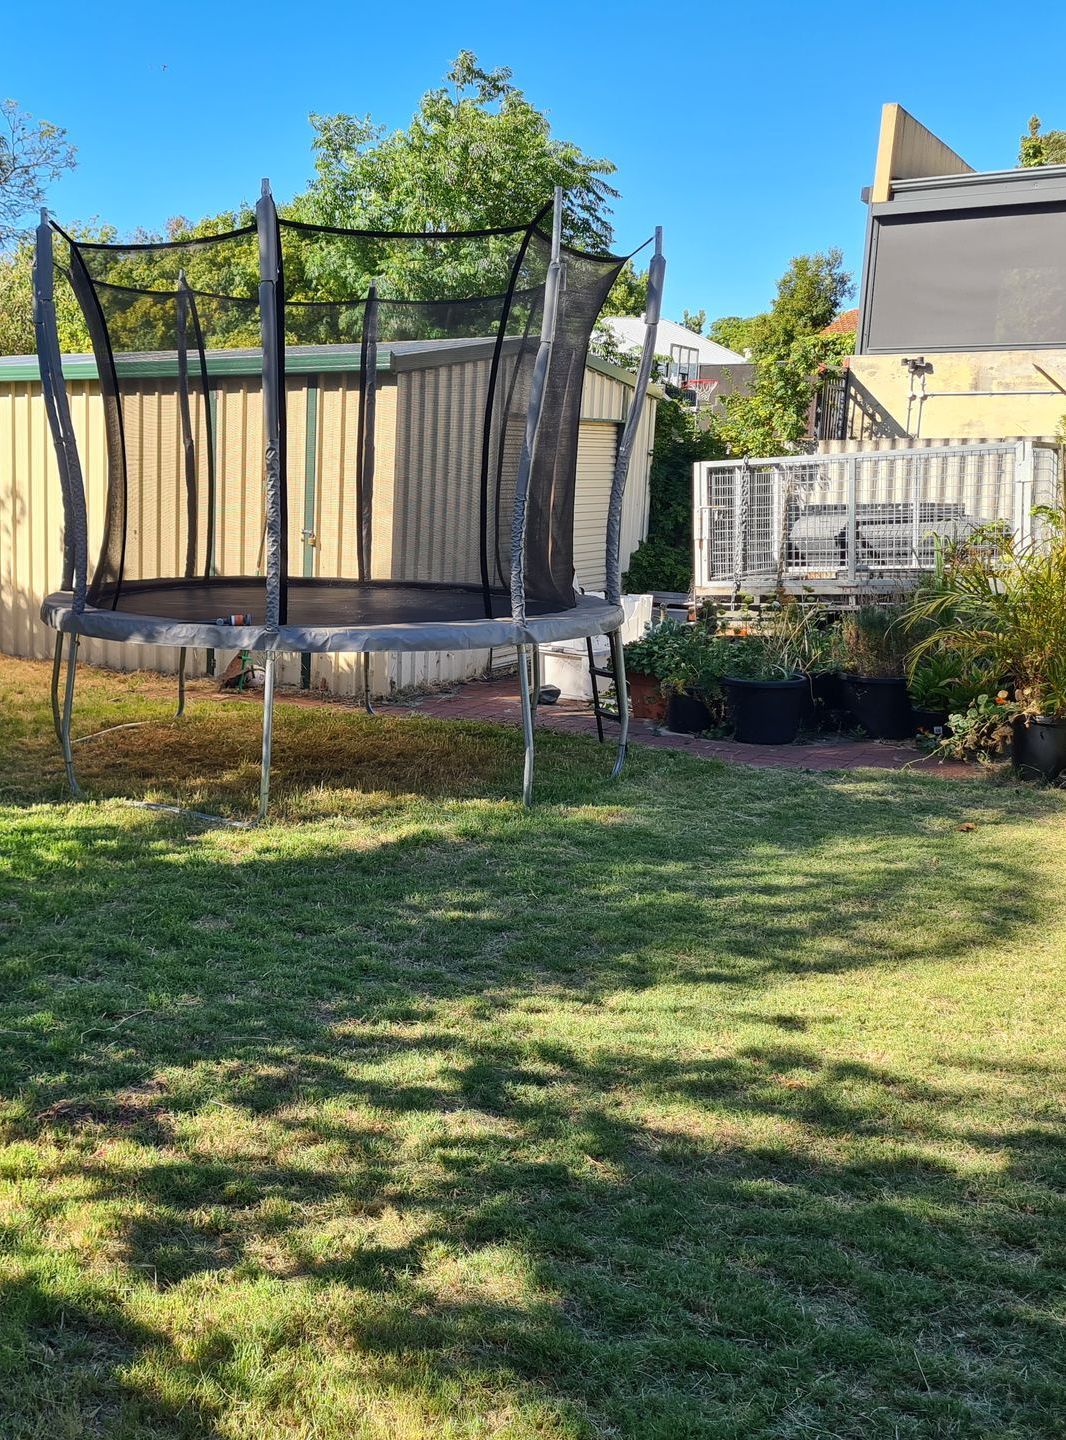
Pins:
x,y
299,360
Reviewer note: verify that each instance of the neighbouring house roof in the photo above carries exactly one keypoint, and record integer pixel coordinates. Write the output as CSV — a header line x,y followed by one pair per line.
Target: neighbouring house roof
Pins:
x,y
846,323
628,330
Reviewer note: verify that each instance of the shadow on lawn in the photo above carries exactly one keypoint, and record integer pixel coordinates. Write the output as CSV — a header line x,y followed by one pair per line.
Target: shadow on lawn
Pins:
x,y
756,1241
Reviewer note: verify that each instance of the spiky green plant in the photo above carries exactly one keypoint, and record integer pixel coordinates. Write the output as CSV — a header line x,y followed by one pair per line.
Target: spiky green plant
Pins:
x,y
1004,606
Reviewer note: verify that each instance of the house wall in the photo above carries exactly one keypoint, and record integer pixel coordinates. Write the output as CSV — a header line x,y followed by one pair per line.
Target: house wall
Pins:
x,y
907,150
31,507
882,385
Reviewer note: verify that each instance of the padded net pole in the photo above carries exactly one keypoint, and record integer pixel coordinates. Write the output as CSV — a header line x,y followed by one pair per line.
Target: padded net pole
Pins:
x,y
185,411
57,407
271,312
364,464
552,286
656,276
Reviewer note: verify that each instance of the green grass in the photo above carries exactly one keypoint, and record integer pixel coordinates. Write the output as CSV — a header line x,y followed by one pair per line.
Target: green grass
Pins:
x,y
715,1103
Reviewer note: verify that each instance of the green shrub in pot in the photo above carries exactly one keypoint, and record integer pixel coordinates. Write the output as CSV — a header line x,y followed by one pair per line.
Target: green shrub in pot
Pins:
x,y
1003,605
872,646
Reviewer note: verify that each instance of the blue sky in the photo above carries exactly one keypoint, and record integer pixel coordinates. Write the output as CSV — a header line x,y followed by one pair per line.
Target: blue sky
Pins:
x,y
747,131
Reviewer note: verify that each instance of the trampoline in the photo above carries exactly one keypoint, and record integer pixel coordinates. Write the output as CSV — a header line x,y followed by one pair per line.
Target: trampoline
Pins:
x,y
447,521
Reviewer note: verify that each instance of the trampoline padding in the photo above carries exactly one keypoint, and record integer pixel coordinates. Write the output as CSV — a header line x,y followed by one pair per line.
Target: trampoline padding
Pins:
x,y
337,616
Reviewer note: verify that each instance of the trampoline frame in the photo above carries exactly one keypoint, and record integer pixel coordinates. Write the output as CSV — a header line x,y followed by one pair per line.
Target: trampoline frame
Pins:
x,y
68,613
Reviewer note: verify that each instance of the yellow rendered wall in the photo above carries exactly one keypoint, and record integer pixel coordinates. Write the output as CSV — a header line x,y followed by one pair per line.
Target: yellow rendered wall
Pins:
x,y
884,384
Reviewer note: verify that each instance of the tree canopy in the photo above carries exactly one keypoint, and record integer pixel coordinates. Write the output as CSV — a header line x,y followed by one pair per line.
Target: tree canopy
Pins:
x,y
789,350
476,154
33,154
1042,147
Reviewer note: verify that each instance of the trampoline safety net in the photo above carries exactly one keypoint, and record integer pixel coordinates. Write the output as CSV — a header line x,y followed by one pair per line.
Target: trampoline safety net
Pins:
x,y
381,383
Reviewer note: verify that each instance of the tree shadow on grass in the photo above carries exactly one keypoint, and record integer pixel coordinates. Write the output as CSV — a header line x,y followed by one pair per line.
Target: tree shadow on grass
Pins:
x,y
423,1110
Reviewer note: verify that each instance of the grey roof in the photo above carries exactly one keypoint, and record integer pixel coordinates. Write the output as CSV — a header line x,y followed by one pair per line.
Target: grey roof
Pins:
x,y
628,330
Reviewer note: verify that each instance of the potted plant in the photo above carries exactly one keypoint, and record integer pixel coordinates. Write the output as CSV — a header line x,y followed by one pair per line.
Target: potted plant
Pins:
x,y
662,667
943,682
874,647
1004,605
765,681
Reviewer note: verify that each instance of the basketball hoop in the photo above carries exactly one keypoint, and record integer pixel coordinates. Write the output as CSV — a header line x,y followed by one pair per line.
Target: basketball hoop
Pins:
x,y
704,391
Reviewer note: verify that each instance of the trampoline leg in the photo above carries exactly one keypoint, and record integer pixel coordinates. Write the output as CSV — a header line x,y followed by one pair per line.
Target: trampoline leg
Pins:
x,y
180,711
57,670
618,665
366,684
268,733
68,708
535,651
527,724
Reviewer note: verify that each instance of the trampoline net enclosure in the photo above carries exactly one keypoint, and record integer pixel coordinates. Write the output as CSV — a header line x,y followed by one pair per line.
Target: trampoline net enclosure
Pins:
x,y
432,342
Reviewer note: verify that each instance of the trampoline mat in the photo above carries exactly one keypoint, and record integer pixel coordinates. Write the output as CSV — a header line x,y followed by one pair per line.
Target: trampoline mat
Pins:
x,y
311,602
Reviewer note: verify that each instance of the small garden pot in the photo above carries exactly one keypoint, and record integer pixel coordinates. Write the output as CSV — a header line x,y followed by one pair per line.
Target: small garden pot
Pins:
x,y
766,712
646,699
932,722
1038,749
880,704
687,714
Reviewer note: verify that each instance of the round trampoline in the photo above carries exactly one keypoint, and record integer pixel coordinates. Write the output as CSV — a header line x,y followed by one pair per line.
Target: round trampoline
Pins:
x,y
446,520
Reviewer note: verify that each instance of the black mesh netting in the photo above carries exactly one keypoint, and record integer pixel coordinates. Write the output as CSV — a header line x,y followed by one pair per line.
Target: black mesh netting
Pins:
x,y
406,374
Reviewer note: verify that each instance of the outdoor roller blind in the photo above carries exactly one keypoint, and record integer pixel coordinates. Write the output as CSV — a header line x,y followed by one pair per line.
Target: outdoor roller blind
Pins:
x,y
969,280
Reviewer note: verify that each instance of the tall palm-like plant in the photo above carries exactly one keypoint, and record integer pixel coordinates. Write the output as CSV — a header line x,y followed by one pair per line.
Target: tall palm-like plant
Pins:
x,y
1004,605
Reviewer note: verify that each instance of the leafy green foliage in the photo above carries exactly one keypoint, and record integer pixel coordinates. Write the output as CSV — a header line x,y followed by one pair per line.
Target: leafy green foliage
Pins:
x,y
1039,147
663,561
1002,605
874,641
629,293
945,679
476,154
694,320
33,155
790,355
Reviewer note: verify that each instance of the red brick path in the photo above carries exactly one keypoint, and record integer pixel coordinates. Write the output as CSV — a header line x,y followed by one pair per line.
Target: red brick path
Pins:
x,y
497,701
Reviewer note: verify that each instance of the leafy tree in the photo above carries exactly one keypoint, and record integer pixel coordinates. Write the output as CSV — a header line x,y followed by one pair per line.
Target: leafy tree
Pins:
x,y
1047,148
664,560
33,154
790,354
694,320
629,294
475,155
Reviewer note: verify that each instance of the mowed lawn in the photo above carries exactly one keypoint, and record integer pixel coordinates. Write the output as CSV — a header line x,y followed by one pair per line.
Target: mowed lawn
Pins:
x,y
715,1103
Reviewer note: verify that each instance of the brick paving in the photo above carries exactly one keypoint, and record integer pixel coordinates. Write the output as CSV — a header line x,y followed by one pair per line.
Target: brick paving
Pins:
x,y
498,701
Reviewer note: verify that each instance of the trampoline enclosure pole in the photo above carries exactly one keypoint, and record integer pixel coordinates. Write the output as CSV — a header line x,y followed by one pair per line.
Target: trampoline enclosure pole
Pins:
x,y
57,407
621,689
268,732
656,275
527,724
68,709
266,219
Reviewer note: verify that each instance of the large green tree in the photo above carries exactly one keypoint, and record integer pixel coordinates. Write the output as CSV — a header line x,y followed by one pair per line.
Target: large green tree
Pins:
x,y
476,154
790,352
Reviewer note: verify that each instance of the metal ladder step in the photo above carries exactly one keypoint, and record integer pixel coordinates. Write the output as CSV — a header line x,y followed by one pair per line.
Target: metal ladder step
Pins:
x,y
601,711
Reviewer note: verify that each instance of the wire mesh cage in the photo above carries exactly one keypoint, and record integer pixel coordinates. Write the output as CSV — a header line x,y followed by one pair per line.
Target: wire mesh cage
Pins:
x,y
843,522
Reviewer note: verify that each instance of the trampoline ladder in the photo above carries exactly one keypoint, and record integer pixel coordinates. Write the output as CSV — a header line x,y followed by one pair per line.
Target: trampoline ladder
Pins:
x,y
600,710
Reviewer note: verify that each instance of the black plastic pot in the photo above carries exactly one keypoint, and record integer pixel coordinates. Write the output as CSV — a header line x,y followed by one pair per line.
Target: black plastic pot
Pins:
x,y
880,704
824,705
933,722
1038,749
687,714
766,712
